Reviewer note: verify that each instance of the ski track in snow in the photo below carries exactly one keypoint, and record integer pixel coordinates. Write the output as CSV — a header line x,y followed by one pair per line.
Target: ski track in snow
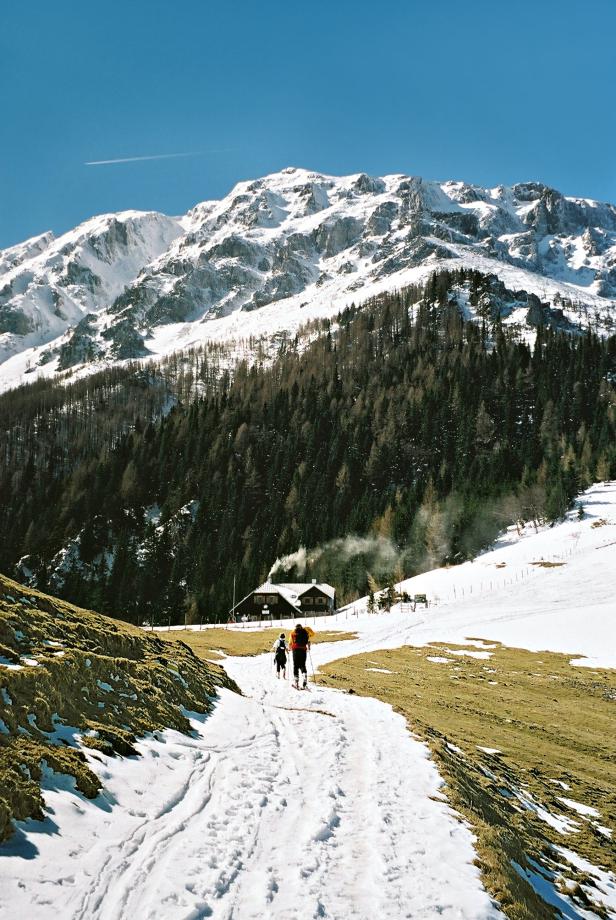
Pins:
x,y
290,805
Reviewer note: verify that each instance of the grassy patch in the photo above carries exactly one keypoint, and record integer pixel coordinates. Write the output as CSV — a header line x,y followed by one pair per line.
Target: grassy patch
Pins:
x,y
69,678
553,726
209,643
546,564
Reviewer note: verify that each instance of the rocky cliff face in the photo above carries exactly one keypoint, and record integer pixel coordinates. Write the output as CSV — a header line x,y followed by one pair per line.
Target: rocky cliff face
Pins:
x,y
48,285
126,285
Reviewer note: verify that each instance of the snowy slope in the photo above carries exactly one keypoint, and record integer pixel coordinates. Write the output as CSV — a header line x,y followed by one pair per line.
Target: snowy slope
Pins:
x,y
507,595
290,805
277,251
504,595
48,285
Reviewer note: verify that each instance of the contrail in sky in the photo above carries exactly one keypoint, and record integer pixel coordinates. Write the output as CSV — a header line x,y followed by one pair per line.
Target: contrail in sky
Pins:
x,y
156,156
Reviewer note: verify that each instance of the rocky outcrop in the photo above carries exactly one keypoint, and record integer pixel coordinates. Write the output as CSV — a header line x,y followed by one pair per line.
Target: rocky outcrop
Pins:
x,y
541,314
15,321
81,347
125,341
380,221
80,275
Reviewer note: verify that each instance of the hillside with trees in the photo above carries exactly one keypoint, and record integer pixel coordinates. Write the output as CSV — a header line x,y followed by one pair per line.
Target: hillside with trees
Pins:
x,y
399,422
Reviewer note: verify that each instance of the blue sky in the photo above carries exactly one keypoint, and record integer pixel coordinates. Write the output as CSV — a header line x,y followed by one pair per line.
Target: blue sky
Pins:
x,y
489,92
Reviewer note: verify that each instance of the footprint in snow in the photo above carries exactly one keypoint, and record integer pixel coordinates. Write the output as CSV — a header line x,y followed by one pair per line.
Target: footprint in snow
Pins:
x,y
327,831
272,889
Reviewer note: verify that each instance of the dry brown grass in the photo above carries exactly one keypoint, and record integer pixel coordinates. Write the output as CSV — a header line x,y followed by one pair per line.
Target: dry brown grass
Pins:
x,y
214,644
96,682
552,724
546,564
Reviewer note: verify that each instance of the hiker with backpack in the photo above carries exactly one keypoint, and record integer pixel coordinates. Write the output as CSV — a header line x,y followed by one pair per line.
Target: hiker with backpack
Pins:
x,y
280,655
300,645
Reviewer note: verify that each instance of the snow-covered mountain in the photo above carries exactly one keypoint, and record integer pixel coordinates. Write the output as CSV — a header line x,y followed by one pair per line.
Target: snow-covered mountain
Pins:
x,y
278,250
47,285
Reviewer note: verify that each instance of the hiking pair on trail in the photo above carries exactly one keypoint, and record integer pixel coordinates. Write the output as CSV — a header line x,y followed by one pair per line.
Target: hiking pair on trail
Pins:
x,y
299,644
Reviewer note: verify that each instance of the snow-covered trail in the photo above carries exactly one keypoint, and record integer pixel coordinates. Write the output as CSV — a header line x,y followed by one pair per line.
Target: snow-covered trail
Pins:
x,y
364,830
285,804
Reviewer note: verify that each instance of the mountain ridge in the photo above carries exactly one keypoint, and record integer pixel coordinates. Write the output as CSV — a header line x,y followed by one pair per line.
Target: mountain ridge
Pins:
x,y
285,248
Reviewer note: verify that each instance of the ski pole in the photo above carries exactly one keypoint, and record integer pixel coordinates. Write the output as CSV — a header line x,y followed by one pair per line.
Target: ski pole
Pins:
x,y
311,664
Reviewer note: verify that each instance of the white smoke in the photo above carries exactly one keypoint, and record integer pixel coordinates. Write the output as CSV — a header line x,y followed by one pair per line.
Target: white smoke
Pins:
x,y
383,552
296,559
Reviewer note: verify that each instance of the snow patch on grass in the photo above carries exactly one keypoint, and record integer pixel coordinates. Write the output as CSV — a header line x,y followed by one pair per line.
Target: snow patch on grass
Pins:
x,y
585,810
604,888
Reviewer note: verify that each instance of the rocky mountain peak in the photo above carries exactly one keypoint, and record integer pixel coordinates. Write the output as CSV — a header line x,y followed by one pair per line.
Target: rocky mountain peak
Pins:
x,y
292,239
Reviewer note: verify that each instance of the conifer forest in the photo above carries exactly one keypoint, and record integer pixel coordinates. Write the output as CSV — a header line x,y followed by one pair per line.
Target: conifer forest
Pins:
x,y
143,491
